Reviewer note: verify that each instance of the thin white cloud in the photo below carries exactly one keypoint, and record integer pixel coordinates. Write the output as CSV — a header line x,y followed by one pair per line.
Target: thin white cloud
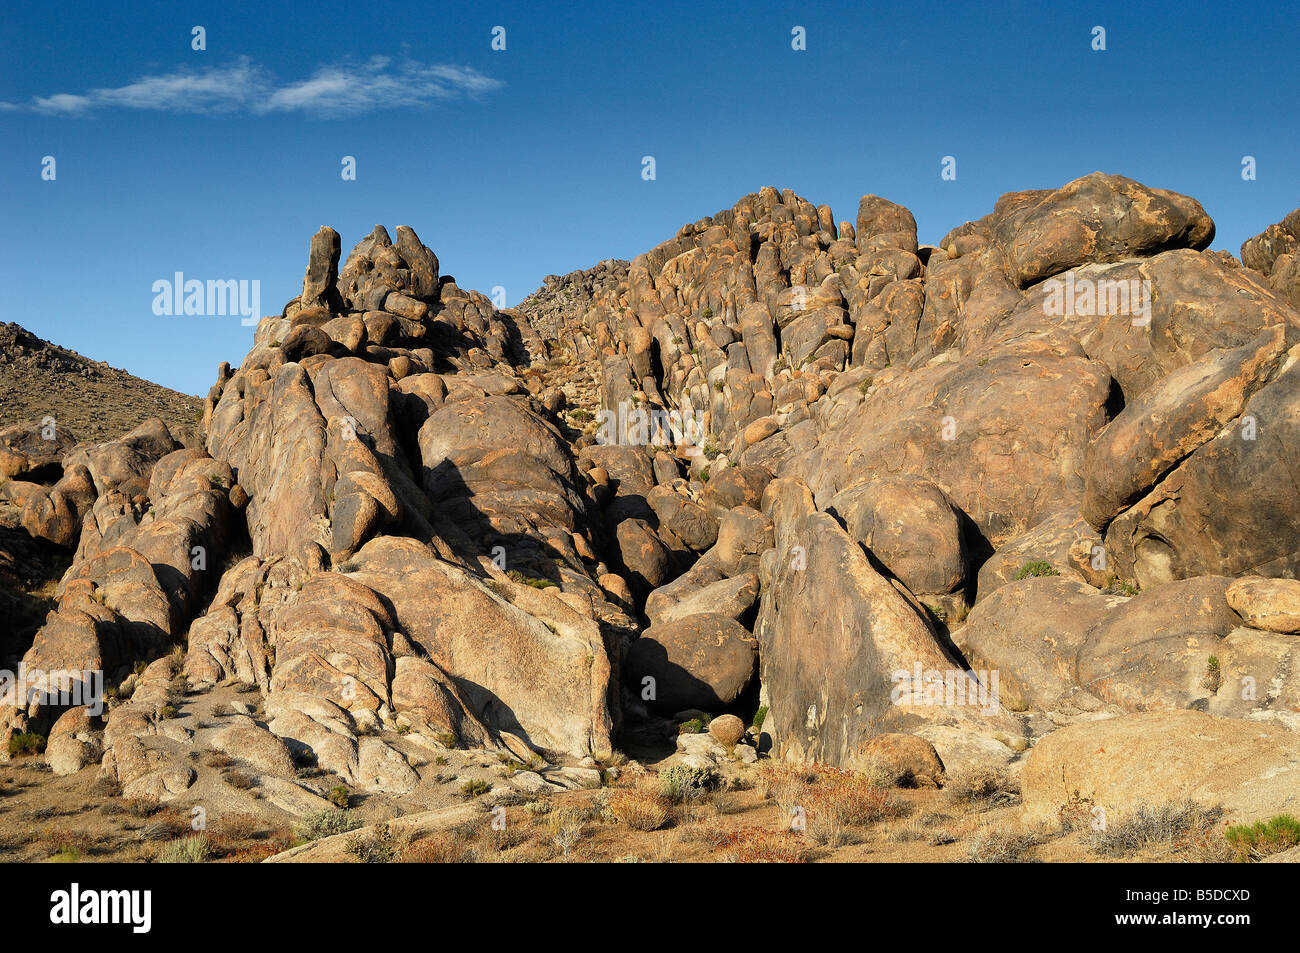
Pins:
x,y
345,89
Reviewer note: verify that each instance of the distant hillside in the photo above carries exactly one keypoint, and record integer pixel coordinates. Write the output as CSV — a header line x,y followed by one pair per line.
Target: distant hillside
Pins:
x,y
88,399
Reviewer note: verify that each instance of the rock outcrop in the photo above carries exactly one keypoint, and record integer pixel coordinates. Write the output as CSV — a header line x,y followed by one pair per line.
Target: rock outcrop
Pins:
x,y
922,505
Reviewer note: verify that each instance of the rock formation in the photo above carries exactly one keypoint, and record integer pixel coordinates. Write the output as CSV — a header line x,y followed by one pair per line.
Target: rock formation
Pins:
x,y
1041,473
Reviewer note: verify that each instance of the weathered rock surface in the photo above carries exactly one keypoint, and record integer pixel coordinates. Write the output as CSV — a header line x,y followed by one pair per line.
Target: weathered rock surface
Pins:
x,y
1250,769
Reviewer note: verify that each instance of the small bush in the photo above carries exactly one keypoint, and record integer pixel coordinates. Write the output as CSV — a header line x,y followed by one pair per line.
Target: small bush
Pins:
x,y
981,788
26,742
326,823
380,847
442,848
1251,842
566,828
1002,845
475,786
143,806
695,726
760,716
239,780
1036,567
186,850
847,800
537,582
1169,825
339,796
640,810
680,783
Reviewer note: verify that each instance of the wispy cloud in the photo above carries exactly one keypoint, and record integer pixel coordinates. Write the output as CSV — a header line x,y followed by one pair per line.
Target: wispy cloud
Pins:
x,y
345,89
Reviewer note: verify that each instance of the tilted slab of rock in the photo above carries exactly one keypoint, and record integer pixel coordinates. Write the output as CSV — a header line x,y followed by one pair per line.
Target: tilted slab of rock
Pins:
x,y
1172,419
1230,507
838,645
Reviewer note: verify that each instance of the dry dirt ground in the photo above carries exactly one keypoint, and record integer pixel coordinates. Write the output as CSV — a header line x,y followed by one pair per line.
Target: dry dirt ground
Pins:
x,y
465,810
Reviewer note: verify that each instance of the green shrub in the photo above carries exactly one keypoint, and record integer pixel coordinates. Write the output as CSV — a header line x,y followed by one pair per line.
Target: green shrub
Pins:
x,y
759,717
536,582
695,726
681,783
1256,841
1036,567
339,796
26,742
475,786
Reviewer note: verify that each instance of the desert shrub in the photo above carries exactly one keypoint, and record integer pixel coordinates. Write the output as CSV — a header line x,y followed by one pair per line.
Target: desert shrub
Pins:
x,y
239,826
326,823
67,846
1251,842
849,800
339,796
681,783
538,808
1172,825
760,716
379,847
695,726
760,845
473,787
1036,567
26,742
441,848
240,780
217,759
186,850
566,828
537,582
1002,845
981,788
640,810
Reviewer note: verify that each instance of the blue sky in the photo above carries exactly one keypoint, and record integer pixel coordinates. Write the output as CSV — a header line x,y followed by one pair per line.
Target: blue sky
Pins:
x,y
513,165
